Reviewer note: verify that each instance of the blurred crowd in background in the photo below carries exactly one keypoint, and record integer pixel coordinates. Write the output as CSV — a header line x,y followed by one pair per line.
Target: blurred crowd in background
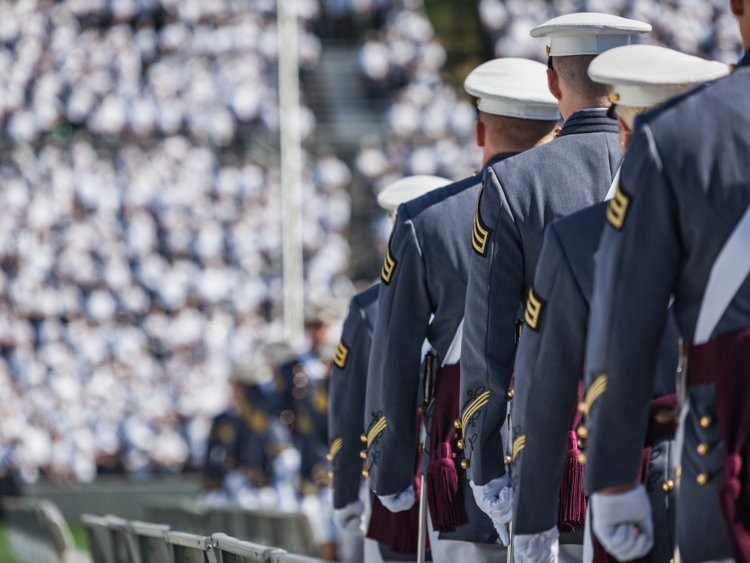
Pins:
x,y
140,242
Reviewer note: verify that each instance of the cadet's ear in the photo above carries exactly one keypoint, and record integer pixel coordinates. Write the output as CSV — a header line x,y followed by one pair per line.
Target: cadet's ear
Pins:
x,y
479,133
737,7
626,134
553,83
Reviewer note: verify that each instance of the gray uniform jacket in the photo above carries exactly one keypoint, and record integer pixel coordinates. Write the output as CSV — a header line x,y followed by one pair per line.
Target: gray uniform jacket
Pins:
x,y
424,274
520,196
423,284
347,396
550,364
680,196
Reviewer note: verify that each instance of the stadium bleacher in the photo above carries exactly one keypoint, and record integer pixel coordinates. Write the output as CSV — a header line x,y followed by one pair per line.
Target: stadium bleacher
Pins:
x,y
39,534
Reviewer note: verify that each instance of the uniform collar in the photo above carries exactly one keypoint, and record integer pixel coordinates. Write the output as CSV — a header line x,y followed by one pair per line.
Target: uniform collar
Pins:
x,y
592,120
499,158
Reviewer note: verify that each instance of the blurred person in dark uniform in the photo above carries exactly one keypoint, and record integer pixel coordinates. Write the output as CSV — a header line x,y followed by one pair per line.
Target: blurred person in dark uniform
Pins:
x,y
302,383
239,452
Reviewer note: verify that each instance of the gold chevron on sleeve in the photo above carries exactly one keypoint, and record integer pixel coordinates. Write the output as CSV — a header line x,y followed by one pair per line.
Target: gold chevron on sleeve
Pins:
x,y
336,446
518,445
376,429
593,393
534,306
479,402
342,352
480,233
617,210
389,264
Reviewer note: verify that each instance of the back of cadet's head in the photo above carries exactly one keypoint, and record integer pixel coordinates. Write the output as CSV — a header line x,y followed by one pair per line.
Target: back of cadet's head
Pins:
x,y
572,71
522,133
575,40
516,109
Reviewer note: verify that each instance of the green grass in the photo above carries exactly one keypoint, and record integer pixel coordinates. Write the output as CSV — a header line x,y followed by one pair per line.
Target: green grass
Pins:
x,y
5,555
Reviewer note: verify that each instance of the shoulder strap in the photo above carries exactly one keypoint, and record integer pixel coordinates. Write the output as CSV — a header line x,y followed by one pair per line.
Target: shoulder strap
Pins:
x,y
729,271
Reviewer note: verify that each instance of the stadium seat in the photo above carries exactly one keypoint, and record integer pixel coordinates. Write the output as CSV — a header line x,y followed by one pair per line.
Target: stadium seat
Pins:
x,y
190,548
232,550
123,542
151,542
100,540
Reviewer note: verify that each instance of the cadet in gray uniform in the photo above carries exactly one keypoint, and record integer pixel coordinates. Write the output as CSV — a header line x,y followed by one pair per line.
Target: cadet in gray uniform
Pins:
x,y
422,286
520,196
348,384
678,226
349,380
549,364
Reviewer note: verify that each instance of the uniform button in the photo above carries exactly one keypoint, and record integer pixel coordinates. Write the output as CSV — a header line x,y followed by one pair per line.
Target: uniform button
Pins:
x,y
465,464
507,460
582,432
363,438
457,423
705,421
702,448
453,455
363,454
365,473
702,478
667,486
460,444
581,458
329,457
511,393
330,474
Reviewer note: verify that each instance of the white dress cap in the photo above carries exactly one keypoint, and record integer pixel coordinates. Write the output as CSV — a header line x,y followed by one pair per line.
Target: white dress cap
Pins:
x,y
407,189
588,33
513,88
646,75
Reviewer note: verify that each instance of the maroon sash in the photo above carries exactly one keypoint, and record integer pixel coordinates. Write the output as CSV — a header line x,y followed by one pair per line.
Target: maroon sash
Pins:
x,y
725,362
443,492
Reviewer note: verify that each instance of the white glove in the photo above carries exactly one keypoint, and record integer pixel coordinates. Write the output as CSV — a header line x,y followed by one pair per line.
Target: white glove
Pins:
x,y
399,502
536,548
496,500
349,518
623,523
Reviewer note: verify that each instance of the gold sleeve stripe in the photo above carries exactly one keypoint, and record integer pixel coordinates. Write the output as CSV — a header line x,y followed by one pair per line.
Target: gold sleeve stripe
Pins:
x,y
617,210
342,352
336,446
533,311
480,234
389,264
375,430
593,393
518,445
473,407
